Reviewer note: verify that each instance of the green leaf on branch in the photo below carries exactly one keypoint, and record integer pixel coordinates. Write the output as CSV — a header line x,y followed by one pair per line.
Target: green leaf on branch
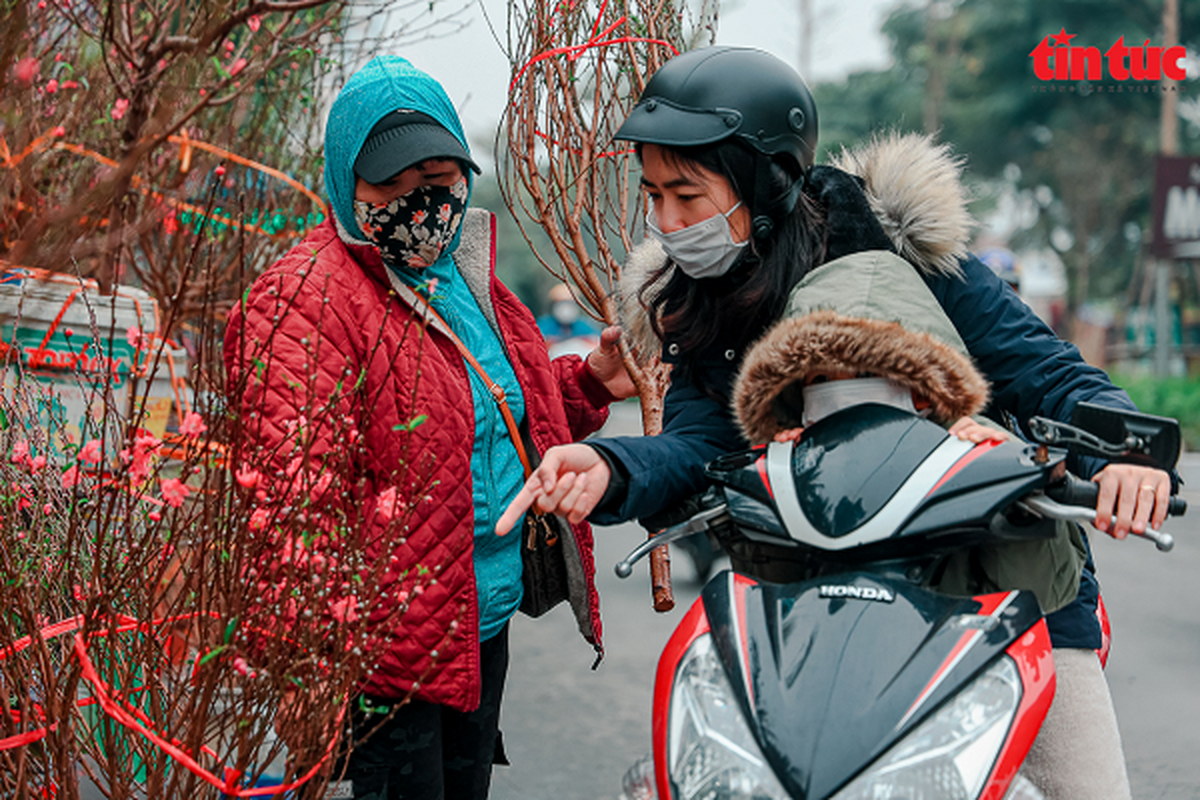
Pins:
x,y
412,424
211,654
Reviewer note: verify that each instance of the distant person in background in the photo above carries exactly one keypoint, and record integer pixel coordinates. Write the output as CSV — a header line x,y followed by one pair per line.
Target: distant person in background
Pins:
x,y
565,328
1003,262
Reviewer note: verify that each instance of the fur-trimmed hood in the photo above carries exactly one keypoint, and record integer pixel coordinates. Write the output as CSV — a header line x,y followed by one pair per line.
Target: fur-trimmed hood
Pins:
x,y
913,186
867,312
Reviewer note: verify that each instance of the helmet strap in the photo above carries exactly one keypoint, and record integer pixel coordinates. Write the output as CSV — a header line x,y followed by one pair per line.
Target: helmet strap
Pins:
x,y
769,209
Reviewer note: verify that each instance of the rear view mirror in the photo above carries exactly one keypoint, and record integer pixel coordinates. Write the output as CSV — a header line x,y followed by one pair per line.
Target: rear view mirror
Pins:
x,y
1126,436
1147,439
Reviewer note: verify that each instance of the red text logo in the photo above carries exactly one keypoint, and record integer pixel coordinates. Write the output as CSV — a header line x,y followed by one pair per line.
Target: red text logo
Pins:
x,y
1063,61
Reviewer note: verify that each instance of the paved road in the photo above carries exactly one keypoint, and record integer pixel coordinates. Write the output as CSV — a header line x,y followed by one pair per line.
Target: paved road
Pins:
x,y
571,733
1154,666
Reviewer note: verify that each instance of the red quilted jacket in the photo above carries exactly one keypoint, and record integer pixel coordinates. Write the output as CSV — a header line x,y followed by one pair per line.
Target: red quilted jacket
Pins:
x,y
325,314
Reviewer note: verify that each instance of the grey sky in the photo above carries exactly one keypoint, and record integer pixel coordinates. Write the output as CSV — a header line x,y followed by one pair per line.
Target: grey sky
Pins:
x,y
475,73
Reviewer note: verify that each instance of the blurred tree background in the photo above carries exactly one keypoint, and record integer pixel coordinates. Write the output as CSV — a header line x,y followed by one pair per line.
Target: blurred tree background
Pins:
x,y
1068,171
1073,169
1066,174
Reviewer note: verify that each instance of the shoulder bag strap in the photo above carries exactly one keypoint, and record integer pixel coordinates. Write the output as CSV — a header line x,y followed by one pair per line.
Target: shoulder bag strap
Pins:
x,y
434,319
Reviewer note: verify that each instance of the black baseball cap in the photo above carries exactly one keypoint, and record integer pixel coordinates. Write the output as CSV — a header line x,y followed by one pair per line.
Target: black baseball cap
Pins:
x,y
404,139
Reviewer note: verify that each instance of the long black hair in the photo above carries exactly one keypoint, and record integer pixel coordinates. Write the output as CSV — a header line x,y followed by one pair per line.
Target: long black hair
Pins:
x,y
733,310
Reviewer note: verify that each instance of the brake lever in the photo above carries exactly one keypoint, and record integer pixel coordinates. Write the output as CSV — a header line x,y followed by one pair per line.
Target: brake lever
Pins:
x,y
1043,505
697,523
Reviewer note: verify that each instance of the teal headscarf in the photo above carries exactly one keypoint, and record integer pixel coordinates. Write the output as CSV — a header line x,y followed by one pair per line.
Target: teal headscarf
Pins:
x,y
384,85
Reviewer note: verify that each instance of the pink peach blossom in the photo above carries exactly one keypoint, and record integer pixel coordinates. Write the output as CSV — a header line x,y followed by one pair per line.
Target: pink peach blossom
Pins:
x,y
138,459
247,478
386,507
136,338
90,453
70,478
259,519
192,425
119,108
27,70
174,491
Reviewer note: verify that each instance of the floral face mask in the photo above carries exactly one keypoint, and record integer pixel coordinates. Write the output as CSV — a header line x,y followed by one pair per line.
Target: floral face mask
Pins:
x,y
414,229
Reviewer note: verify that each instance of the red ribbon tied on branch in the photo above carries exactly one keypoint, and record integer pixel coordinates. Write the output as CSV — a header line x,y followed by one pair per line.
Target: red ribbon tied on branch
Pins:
x,y
595,41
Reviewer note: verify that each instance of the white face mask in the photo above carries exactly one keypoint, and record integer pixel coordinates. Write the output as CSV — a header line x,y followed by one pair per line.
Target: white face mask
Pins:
x,y
703,250
823,399
565,312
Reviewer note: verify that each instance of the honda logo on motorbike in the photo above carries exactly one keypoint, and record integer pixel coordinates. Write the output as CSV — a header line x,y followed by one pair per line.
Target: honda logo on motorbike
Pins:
x,y
876,593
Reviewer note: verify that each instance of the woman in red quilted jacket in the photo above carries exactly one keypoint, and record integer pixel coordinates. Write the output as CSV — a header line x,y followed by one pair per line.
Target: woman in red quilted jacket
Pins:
x,y
351,306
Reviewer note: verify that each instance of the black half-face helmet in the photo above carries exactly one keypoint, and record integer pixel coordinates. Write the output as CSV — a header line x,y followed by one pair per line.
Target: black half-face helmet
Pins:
x,y
705,96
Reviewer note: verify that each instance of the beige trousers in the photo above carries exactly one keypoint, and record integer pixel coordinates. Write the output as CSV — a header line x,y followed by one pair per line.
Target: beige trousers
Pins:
x,y
1077,755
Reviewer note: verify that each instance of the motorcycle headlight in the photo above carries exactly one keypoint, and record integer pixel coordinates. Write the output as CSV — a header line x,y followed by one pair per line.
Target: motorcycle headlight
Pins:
x,y
638,783
950,755
711,752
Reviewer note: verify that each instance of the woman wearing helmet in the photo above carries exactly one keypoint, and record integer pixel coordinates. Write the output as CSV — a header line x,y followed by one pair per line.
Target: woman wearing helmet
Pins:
x,y
738,214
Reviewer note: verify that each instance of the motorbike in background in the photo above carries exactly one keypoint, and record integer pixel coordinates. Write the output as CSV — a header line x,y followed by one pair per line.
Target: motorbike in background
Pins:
x,y
822,665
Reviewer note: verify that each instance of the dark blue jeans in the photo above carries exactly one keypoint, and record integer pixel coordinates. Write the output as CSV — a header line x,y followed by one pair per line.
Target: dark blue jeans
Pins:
x,y
426,751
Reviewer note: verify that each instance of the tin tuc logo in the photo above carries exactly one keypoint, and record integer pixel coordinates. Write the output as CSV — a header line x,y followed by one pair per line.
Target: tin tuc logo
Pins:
x,y
1063,61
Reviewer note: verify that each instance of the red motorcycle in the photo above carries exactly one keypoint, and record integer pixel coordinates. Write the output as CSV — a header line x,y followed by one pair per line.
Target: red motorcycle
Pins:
x,y
822,665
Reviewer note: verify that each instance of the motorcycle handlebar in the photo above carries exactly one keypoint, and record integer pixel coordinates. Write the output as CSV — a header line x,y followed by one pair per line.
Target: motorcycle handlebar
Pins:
x,y
1075,499
1075,491
1072,499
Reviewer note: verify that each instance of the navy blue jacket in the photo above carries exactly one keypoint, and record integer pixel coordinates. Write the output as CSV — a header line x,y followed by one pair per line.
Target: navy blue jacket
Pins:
x,y
1032,371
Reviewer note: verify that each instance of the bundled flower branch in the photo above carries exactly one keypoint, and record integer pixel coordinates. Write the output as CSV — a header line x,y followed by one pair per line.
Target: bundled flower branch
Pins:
x,y
169,589
188,615
578,68
119,120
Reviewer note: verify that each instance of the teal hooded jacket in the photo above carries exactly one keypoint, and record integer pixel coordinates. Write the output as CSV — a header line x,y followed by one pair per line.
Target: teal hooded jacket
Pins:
x,y
385,84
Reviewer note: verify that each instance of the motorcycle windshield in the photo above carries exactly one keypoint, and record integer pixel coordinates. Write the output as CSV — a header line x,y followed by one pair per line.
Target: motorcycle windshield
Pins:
x,y
849,465
833,671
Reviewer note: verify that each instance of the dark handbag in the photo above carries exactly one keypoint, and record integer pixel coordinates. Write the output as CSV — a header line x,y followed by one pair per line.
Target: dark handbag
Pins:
x,y
543,566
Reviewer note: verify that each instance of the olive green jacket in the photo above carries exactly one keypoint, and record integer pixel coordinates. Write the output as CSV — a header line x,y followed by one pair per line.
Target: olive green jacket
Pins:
x,y
872,312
